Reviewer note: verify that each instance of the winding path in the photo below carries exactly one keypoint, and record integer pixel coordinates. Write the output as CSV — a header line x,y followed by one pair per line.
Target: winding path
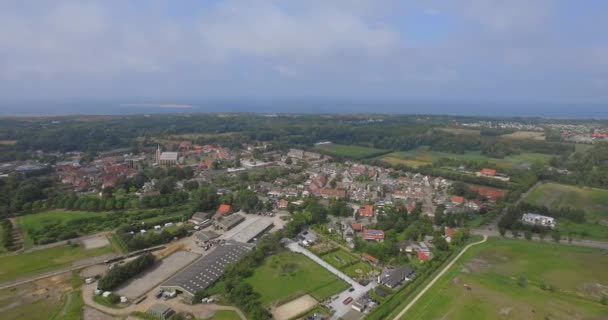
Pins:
x,y
428,286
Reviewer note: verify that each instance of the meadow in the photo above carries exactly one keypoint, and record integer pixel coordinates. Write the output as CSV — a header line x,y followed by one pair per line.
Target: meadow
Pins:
x,y
351,152
593,201
13,266
225,315
288,275
518,279
37,222
423,156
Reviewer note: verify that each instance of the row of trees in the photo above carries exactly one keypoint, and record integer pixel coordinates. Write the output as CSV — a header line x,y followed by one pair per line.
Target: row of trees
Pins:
x,y
120,274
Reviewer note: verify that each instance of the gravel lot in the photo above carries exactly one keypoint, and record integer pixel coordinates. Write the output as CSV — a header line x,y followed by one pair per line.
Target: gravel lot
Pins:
x,y
159,273
294,307
95,242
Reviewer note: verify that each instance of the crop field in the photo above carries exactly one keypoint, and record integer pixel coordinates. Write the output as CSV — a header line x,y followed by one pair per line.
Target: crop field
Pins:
x,y
287,275
39,221
516,279
462,131
352,152
423,156
24,264
525,135
593,201
8,142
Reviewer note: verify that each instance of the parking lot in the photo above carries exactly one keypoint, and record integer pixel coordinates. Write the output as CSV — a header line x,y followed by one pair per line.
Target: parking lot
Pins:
x,y
159,273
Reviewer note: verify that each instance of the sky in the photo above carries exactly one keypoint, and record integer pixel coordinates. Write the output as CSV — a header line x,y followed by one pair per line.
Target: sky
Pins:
x,y
162,51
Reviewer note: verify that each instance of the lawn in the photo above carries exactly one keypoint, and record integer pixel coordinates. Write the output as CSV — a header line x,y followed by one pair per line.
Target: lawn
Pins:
x,y
351,152
339,258
593,201
485,284
423,156
225,315
39,221
287,275
25,264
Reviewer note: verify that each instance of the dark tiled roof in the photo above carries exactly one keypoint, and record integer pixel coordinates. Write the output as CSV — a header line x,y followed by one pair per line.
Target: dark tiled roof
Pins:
x,y
206,270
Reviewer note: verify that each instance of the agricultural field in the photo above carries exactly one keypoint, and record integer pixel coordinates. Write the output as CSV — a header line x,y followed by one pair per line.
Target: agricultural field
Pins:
x,y
351,152
515,279
8,142
593,201
287,275
517,135
37,222
462,131
423,156
13,266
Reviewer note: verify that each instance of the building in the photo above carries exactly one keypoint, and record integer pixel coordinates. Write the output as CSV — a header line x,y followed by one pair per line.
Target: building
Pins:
x,y
283,204
224,209
253,230
367,211
160,311
373,235
229,222
200,217
206,236
395,277
206,270
457,200
358,306
371,259
168,158
537,219
487,172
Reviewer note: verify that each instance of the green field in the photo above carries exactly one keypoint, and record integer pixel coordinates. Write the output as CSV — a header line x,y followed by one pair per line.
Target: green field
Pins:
x,y
287,275
225,315
593,201
423,156
36,222
351,152
339,258
24,264
501,279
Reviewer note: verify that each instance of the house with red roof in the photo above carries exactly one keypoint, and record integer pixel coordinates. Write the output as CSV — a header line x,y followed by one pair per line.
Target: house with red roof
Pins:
x,y
373,235
488,172
224,209
370,258
449,234
357,227
422,256
367,211
457,200
283,204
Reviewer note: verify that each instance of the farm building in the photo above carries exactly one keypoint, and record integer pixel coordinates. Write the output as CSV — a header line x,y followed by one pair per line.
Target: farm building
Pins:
x,y
206,236
160,311
253,230
206,270
230,222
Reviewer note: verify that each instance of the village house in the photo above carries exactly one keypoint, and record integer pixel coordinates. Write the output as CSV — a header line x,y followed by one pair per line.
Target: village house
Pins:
x,y
373,235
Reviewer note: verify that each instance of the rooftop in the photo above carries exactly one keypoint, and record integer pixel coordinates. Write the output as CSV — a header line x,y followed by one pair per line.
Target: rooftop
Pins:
x,y
206,270
168,156
252,230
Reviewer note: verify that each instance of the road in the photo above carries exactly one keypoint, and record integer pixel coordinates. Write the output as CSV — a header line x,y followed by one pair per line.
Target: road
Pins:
x,y
340,308
430,284
75,266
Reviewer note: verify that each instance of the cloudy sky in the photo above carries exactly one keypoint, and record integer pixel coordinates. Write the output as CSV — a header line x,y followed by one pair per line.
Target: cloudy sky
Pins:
x,y
515,50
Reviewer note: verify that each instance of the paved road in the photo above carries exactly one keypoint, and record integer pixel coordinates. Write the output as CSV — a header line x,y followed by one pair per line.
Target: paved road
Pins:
x,y
359,290
428,286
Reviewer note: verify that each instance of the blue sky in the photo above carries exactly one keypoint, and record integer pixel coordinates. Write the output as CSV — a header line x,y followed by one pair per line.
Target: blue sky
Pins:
x,y
162,50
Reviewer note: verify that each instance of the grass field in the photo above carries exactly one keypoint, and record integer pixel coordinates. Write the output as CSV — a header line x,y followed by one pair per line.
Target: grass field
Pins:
x,y
38,221
593,201
423,156
288,275
352,152
517,135
339,258
225,315
8,142
24,264
493,272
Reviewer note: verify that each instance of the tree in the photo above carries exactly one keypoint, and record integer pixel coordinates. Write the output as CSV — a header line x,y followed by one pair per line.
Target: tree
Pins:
x,y
521,281
288,161
528,235
502,231
440,243
515,233
556,235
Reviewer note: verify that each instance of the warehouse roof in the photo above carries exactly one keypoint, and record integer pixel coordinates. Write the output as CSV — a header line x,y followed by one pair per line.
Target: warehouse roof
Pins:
x,y
206,270
231,220
253,230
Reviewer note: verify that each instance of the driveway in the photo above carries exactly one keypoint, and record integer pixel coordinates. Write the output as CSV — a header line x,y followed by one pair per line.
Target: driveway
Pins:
x,y
338,306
